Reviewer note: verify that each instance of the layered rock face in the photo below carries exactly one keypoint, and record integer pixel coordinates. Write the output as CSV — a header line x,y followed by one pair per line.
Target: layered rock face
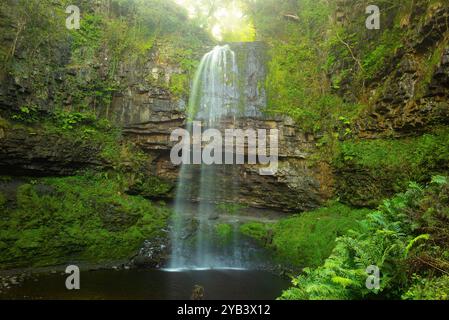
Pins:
x,y
150,113
35,153
413,94
407,97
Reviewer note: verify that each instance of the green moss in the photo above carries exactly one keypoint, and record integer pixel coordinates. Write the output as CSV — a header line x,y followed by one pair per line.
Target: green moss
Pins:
x,y
309,238
295,88
83,218
26,114
151,187
224,232
376,56
2,200
4,123
86,128
388,165
179,85
230,208
256,230
427,69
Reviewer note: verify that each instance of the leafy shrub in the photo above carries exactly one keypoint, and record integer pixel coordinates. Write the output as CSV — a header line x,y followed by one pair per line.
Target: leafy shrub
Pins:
x,y
26,114
69,120
392,239
428,289
151,187
179,85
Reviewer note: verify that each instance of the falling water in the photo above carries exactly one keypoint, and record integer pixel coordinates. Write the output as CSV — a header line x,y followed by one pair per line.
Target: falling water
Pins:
x,y
214,97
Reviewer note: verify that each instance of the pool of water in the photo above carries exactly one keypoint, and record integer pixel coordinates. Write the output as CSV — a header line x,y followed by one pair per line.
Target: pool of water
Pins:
x,y
146,284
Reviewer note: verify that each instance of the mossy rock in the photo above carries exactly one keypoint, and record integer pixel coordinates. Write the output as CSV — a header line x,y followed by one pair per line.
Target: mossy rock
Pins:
x,y
2,200
151,187
306,239
85,218
224,232
114,218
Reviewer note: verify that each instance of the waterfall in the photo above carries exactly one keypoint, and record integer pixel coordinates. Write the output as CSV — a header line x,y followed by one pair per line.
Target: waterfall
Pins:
x,y
214,96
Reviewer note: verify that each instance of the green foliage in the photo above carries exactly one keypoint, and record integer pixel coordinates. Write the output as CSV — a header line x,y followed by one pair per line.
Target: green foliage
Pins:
x,y
224,232
179,85
230,208
245,32
375,60
222,19
427,69
429,289
151,187
88,37
86,128
77,70
26,114
29,24
256,230
123,156
2,200
357,57
184,53
308,239
395,161
69,120
33,34
430,149
439,180
297,81
391,239
87,218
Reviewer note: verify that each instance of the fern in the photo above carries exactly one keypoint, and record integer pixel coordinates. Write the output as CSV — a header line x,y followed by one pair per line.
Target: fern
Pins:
x,y
413,241
385,239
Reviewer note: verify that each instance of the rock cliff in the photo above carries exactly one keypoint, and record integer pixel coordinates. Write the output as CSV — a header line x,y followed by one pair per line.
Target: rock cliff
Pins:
x,y
150,113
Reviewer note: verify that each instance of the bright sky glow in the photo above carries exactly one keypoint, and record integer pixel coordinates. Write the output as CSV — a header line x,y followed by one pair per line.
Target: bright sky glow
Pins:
x,y
224,19
190,8
230,18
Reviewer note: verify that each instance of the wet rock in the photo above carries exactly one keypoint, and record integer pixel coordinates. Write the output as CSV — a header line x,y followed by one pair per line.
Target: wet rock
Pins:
x,y
408,102
197,293
23,152
149,118
152,254
9,281
114,218
214,216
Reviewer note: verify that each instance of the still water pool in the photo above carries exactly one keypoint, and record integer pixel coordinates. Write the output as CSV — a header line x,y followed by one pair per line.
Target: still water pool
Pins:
x,y
146,284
